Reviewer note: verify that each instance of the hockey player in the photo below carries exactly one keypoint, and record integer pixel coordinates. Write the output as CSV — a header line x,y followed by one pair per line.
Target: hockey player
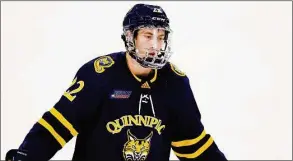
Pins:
x,y
126,106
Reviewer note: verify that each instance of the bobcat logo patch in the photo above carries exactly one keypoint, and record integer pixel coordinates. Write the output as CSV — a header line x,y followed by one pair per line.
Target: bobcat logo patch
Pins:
x,y
136,149
102,63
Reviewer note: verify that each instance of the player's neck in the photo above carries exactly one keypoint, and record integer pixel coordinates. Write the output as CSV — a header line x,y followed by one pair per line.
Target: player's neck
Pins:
x,y
135,67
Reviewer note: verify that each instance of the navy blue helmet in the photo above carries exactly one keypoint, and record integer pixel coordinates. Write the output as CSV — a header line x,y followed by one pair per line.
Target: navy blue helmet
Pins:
x,y
147,16
143,14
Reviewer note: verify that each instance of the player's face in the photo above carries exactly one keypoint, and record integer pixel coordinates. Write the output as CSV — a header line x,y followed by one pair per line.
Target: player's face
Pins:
x,y
149,40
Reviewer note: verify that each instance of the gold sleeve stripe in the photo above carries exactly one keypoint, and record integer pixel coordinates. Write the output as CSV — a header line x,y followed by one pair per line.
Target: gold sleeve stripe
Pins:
x,y
60,140
189,142
64,122
198,152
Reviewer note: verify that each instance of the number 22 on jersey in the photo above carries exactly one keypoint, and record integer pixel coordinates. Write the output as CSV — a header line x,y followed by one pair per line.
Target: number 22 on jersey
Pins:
x,y
70,94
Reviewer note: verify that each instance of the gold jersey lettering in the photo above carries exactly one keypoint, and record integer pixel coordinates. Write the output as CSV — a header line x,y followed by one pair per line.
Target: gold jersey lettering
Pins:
x,y
117,125
133,120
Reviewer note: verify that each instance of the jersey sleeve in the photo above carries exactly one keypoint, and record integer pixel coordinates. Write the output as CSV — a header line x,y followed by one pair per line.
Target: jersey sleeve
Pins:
x,y
67,118
190,140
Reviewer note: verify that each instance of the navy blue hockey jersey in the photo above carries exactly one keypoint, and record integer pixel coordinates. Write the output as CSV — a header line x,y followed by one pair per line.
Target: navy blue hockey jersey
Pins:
x,y
117,116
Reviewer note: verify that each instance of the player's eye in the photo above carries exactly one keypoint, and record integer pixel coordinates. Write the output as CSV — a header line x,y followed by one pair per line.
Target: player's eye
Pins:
x,y
148,36
161,38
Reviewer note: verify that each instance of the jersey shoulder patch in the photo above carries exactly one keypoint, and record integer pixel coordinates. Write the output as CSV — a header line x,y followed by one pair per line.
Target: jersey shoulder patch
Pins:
x,y
102,63
176,70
